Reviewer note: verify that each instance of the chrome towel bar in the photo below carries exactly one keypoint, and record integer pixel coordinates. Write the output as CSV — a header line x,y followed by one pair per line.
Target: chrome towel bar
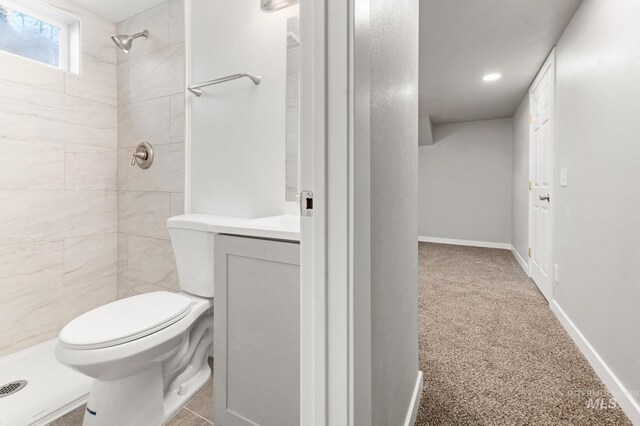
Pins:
x,y
195,88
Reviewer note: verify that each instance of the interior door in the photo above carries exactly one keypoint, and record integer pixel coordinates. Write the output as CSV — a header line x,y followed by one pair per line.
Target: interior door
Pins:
x,y
542,104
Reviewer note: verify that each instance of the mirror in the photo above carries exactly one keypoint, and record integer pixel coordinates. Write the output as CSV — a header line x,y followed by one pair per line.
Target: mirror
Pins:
x,y
293,109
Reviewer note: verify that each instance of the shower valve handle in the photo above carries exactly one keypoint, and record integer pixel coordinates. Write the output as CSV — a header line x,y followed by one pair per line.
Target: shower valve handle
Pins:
x,y
142,155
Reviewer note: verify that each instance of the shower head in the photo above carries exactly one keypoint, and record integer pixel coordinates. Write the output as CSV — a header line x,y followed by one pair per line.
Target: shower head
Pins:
x,y
124,41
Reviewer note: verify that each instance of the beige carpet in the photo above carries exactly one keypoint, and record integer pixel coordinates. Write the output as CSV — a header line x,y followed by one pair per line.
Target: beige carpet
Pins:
x,y
491,349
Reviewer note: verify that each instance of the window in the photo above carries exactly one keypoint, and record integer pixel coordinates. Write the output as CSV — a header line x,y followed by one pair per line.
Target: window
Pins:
x,y
41,33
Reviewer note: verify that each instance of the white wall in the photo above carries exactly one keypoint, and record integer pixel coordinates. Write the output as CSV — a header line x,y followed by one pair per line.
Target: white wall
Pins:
x,y
597,216
394,218
520,178
237,128
465,182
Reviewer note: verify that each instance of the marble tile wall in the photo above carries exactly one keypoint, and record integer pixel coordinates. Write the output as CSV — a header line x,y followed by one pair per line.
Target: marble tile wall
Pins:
x,y
58,188
150,109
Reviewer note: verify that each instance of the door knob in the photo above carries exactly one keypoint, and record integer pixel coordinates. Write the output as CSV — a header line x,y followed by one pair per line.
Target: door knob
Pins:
x,y
545,198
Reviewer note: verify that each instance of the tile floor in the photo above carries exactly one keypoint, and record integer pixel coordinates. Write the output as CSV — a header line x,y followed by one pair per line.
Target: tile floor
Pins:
x,y
198,412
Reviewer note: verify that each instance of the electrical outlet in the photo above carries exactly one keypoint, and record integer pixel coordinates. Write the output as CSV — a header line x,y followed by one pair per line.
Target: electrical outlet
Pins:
x,y
556,273
563,177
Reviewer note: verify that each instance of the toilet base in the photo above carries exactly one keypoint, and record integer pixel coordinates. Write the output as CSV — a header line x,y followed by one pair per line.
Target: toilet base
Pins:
x,y
133,400
154,395
139,399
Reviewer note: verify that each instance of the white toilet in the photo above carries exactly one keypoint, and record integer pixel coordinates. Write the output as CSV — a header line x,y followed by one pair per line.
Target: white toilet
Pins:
x,y
148,353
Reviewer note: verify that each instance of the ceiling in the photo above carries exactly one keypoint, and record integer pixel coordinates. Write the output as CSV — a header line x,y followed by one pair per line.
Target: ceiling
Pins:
x,y
117,10
462,40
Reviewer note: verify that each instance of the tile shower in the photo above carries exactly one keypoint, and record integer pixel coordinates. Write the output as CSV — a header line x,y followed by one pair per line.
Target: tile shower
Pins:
x,y
58,188
150,109
80,227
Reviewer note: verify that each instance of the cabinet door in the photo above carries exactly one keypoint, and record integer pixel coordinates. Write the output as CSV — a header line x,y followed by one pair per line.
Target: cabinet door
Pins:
x,y
256,332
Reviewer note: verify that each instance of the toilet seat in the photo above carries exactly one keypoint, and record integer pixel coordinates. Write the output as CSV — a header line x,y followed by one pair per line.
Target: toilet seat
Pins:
x,y
125,320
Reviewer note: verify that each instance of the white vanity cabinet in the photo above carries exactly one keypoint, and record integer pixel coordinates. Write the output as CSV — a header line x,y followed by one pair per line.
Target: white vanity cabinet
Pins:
x,y
256,332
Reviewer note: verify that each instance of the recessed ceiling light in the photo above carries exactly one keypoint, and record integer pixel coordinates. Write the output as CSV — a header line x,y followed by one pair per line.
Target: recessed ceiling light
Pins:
x,y
492,77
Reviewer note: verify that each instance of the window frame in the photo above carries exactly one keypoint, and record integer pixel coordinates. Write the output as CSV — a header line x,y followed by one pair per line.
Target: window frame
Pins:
x,y
69,49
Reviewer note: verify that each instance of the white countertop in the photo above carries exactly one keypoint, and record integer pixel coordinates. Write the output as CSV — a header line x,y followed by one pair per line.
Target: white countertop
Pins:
x,y
285,227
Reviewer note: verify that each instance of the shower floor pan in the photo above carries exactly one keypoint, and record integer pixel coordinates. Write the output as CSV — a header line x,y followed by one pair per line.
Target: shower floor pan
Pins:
x,y
51,391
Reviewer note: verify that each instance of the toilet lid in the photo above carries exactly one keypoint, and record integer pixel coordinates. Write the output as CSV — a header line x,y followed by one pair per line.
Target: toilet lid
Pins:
x,y
125,320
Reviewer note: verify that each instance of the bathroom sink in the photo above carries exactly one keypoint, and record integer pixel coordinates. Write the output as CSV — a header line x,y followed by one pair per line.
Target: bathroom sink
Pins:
x,y
288,222
283,227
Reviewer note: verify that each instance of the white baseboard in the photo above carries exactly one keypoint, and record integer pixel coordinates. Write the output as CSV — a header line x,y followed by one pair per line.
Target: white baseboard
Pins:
x,y
487,244
625,399
410,420
521,261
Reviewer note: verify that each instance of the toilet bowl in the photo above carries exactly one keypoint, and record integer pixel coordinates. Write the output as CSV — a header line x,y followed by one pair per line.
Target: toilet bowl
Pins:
x,y
148,354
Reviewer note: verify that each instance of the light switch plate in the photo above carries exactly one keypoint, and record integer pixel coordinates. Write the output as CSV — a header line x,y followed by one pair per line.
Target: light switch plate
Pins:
x,y
563,177
556,273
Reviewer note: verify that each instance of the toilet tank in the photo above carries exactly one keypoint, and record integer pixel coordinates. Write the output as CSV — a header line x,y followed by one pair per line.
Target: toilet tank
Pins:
x,y
193,250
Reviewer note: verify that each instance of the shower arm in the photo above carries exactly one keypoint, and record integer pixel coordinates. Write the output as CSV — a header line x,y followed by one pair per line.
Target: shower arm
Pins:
x,y
144,34
195,88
